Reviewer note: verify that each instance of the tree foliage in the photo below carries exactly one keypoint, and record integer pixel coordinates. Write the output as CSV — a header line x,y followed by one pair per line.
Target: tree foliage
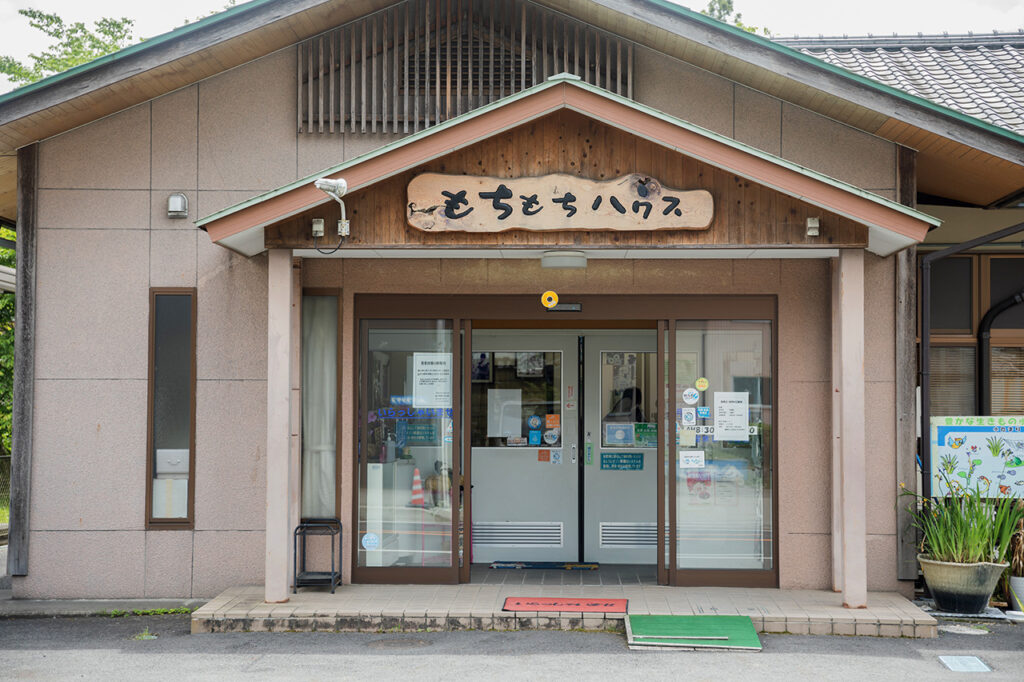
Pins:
x,y
71,44
723,10
6,350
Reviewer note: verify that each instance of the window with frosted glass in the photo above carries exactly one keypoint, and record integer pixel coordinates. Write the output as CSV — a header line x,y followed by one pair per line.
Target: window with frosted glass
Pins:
x,y
172,405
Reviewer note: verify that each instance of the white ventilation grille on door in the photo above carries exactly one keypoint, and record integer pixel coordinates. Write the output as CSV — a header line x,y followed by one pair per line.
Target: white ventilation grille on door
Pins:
x,y
628,534
518,533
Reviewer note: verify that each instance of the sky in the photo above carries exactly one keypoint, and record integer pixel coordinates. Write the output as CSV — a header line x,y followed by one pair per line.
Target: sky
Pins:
x,y
782,17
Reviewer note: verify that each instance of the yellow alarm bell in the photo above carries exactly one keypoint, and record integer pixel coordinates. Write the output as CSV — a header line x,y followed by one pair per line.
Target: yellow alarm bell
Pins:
x,y
549,299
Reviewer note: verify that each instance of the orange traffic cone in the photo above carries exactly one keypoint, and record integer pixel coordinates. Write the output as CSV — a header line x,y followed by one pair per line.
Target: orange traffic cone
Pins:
x,y
417,489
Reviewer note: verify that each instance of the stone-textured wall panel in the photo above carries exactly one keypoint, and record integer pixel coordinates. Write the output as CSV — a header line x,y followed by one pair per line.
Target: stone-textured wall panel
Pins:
x,y
111,153
102,209
84,565
231,463
837,150
173,258
224,559
247,125
694,95
168,564
232,314
92,296
89,455
175,152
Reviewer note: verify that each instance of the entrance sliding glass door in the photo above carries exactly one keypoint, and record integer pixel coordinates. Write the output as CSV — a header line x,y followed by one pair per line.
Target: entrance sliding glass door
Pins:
x,y
722,522
408,452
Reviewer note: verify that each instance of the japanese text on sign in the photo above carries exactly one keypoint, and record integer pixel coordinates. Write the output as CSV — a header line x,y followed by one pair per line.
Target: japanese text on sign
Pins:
x,y
432,380
466,203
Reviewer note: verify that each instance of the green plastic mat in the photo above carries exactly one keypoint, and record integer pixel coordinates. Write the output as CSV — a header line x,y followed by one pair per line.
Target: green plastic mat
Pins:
x,y
714,632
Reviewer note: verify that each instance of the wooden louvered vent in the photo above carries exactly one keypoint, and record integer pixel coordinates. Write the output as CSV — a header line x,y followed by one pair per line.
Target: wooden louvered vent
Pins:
x,y
421,62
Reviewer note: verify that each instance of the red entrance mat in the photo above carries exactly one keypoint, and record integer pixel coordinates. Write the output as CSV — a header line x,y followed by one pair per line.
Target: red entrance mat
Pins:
x,y
572,605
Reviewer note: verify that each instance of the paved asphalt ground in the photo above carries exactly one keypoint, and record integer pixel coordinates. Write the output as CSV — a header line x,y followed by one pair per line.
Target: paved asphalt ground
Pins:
x,y
106,648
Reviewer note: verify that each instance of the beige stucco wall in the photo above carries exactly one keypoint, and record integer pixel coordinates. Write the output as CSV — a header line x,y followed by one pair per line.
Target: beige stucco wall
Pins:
x,y
104,240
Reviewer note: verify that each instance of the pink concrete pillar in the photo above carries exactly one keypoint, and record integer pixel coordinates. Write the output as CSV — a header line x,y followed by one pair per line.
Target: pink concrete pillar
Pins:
x,y
837,422
280,298
295,433
852,471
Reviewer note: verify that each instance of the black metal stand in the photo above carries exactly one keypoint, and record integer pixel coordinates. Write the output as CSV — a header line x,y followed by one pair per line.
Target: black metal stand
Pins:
x,y
303,577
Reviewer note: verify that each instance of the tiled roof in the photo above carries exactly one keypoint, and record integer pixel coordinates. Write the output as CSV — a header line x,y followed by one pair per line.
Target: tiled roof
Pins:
x,y
977,75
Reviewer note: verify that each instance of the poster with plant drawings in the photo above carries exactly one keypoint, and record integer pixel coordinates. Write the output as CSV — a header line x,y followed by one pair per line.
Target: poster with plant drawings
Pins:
x,y
986,453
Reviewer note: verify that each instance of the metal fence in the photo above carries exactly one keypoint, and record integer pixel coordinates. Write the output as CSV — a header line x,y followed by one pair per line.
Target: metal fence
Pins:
x,y
5,497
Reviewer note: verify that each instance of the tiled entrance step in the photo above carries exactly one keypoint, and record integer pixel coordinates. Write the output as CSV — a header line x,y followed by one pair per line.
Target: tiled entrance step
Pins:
x,y
376,608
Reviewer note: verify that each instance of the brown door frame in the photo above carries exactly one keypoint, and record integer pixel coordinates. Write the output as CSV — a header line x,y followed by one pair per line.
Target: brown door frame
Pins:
x,y
525,311
402,574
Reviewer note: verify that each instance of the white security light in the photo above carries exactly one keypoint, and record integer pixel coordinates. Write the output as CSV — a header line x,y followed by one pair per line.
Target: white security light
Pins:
x,y
177,205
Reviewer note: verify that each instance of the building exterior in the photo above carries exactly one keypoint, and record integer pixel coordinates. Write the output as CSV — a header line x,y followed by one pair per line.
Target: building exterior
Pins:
x,y
729,226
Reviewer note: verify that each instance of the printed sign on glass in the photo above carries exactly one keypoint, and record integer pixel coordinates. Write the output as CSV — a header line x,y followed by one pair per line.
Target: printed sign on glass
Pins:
x,y
432,379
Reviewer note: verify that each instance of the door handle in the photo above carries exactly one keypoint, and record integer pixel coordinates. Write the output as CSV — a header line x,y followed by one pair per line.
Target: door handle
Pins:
x,y
573,453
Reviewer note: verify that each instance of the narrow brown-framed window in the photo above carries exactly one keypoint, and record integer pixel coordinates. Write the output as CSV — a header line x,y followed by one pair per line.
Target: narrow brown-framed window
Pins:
x,y
171,441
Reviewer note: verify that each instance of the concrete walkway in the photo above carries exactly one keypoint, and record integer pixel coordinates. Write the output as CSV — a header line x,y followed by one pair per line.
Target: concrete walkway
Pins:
x,y
54,608
371,608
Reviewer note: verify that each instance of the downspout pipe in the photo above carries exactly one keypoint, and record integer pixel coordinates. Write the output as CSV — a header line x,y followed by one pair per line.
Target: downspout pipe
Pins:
x,y
985,349
923,359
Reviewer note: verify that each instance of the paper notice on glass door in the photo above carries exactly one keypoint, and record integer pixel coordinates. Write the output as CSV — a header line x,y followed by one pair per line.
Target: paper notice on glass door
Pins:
x,y
431,379
505,413
732,416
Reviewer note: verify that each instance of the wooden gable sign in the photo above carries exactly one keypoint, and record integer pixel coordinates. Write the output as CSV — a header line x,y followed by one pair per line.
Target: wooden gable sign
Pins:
x,y
557,202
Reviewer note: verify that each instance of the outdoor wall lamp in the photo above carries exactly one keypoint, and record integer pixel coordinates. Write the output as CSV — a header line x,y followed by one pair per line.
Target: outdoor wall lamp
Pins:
x,y
177,205
813,227
563,259
334,188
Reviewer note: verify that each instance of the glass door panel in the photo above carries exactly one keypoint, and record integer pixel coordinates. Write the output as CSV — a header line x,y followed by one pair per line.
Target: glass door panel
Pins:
x,y
407,429
723,401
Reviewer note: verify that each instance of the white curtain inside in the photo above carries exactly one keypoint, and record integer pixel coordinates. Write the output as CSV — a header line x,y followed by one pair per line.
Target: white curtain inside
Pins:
x,y
319,404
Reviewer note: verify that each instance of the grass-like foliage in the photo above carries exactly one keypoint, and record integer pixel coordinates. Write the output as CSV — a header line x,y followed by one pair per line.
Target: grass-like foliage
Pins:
x,y
966,527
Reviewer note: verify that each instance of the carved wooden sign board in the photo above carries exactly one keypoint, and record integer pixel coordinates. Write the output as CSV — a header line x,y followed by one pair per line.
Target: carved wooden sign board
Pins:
x,y
557,202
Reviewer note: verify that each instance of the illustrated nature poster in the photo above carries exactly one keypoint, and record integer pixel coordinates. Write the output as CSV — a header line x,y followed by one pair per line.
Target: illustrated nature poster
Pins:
x,y
986,453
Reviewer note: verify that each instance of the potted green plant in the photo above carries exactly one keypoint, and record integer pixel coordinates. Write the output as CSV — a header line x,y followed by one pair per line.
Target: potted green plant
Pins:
x,y
1016,582
965,542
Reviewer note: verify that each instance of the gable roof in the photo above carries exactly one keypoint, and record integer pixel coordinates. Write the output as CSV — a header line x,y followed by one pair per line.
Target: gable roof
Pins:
x,y
977,75
891,226
960,156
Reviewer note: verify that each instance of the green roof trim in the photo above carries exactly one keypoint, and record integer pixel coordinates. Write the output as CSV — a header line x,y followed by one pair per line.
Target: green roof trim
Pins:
x,y
573,80
839,71
133,49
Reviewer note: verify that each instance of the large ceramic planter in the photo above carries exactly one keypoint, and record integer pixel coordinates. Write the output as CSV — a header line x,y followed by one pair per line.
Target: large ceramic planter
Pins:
x,y
1017,593
960,588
